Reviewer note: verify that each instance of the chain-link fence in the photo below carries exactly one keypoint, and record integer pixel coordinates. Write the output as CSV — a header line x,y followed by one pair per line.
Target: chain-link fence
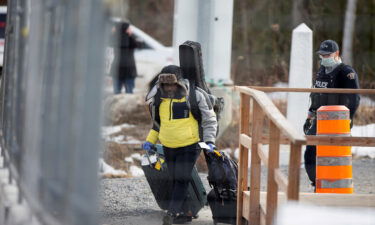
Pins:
x,y
50,105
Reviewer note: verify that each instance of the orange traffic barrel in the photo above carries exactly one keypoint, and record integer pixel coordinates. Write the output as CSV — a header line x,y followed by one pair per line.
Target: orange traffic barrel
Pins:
x,y
333,163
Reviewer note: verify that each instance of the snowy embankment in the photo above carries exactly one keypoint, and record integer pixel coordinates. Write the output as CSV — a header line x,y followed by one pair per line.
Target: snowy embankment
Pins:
x,y
108,134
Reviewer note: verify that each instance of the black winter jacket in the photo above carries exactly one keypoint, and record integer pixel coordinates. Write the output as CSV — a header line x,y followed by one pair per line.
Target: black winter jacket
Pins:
x,y
124,46
343,76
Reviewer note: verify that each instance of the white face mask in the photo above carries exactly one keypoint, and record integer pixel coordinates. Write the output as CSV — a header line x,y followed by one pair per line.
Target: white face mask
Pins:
x,y
328,62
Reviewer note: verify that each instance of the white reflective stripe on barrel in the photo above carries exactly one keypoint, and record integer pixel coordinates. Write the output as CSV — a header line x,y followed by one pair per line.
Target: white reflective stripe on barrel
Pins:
x,y
333,115
342,183
334,161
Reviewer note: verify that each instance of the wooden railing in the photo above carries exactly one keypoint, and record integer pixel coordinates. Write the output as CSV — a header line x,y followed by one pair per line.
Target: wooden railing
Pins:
x,y
255,106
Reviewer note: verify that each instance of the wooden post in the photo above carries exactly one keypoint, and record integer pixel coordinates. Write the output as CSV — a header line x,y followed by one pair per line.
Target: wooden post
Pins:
x,y
243,160
294,168
255,165
273,163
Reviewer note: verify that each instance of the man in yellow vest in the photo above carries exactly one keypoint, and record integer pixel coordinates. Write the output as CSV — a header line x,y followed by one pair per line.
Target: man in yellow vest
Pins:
x,y
178,131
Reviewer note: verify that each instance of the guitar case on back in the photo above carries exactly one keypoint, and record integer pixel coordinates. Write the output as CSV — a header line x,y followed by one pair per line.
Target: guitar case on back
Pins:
x,y
191,65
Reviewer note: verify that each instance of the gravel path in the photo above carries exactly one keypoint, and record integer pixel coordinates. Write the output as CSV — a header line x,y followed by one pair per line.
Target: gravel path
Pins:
x,y
129,201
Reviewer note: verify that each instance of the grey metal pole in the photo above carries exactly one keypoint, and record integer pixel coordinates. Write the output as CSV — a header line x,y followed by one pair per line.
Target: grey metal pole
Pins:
x,y
51,105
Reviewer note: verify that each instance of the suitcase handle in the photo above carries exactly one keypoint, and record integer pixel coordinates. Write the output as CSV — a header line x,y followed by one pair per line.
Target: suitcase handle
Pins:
x,y
159,160
154,150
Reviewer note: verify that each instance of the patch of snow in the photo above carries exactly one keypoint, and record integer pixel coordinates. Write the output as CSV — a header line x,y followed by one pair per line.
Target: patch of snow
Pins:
x,y
279,95
132,140
121,139
108,130
137,156
364,131
367,101
104,168
136,171
129,159
118,139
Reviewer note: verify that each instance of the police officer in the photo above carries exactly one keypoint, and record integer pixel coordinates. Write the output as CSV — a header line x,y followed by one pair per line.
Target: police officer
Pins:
x,y
331,74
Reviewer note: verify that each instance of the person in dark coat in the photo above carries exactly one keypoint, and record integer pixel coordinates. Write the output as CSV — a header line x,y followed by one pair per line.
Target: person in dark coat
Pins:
x,y
331,74
123,69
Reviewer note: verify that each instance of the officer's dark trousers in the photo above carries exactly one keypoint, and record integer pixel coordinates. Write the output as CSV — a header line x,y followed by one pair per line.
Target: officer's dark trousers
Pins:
x,y
310,155
180,162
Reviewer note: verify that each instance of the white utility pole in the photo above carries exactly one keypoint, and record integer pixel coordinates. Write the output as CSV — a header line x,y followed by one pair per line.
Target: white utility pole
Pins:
x,y
185,24
210,23
300,75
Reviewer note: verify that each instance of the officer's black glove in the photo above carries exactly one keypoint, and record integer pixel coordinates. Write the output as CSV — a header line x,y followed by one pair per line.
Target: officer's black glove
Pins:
x,y
307,125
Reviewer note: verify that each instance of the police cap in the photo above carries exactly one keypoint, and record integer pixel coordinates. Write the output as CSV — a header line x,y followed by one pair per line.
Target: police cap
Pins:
x,y
328,47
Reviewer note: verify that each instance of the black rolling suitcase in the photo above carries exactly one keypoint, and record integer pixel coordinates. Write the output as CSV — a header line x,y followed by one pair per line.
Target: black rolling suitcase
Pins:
x,y
223,210
222,176
156,172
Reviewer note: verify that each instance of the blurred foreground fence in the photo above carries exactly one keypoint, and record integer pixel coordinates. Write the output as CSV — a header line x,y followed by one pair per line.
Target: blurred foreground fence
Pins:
x,y
50,111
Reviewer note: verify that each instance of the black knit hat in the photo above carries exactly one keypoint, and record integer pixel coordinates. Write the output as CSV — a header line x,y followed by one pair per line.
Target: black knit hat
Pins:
x,y
172,69
328,47
167,78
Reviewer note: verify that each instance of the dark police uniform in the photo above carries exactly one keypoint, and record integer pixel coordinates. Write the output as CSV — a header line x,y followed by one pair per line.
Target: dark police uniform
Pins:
x,y
343,76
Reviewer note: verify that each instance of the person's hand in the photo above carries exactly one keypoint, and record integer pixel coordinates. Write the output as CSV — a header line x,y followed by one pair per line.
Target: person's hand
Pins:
x,y
212,147
148,146
129,31
307,125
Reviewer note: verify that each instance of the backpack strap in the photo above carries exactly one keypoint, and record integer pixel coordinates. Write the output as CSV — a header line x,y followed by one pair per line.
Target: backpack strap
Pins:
x,y
210,99
154,110
194,108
